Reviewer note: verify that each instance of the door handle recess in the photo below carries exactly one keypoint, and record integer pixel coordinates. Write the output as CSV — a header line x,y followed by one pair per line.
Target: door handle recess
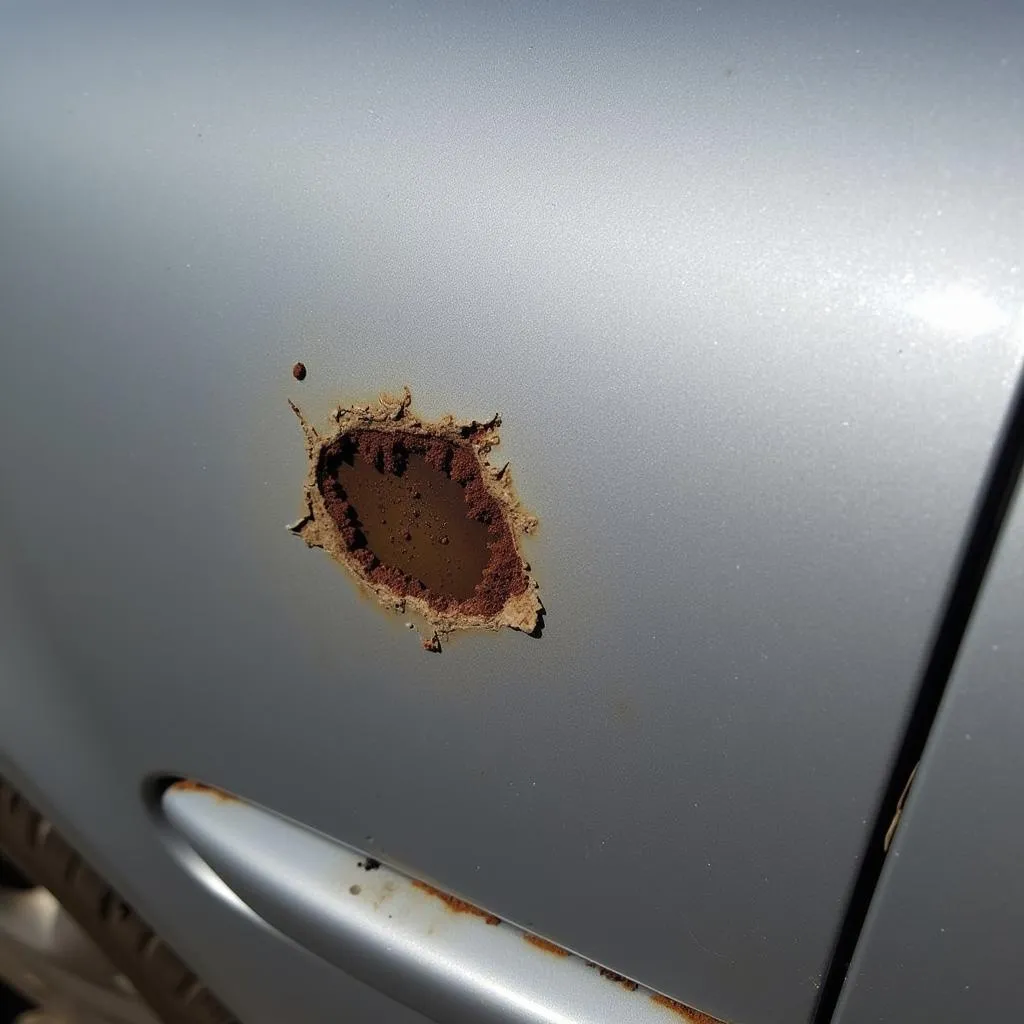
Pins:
x,y
423,947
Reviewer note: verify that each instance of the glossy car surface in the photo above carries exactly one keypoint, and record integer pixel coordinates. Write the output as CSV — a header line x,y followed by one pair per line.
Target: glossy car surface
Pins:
x,y
743,280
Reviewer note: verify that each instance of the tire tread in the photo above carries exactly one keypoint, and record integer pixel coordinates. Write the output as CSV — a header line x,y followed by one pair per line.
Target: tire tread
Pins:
x,y
38,851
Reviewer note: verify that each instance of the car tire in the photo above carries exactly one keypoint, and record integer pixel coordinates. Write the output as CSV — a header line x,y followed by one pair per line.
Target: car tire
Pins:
x,y
40,853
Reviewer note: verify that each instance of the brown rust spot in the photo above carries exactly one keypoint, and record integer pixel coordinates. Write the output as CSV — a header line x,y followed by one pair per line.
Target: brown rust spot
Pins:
x,y
684,1011
417,513
413,518
619,979
456,905
192,786
890,832
548,947
299,371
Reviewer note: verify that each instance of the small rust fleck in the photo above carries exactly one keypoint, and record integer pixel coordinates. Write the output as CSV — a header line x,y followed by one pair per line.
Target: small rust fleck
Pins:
x,y
456,905
548,947
626,983
369,864
191,786
299,371
684,1011
432,644
894,824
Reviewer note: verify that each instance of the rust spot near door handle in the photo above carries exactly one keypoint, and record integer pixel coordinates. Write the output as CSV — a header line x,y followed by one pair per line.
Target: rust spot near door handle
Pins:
x,y
456,905
548,947
688,1013
193,786
627,983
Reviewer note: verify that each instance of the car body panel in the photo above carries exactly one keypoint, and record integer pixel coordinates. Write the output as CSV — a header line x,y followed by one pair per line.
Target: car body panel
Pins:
x,y
940,940
741,281
58,753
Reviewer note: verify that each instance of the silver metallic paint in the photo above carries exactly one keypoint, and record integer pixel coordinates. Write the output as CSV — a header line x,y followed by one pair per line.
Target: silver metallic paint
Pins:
x,y
741,278
379,927
942,940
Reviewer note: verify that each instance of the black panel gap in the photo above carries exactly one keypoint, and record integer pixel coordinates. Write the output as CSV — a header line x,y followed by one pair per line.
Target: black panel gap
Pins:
x,y
985,525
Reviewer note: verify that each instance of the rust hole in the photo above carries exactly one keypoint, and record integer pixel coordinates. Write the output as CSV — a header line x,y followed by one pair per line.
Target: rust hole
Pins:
x,y
548,947
454,904
412,519
419,515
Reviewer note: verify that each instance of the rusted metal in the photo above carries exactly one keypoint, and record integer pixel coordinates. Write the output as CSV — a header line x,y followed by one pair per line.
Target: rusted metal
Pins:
x,y
383,496
456,905
688,1013
461,906
890,832
194,786
627,983
548,947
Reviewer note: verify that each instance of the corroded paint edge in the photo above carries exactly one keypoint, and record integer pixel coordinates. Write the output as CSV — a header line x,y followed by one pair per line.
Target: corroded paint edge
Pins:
x,y
688,1013
455,904
458,905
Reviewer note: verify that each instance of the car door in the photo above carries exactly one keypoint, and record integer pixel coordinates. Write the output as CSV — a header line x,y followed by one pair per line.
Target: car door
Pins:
x,y
739,280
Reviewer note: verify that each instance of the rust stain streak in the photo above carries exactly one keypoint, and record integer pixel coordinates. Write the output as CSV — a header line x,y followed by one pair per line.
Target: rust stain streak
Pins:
x,y
191,786
684,1011
627,983
454,904
548,947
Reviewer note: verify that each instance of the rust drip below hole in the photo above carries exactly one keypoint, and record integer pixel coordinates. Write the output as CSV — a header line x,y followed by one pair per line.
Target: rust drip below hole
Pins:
x,y
456,905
